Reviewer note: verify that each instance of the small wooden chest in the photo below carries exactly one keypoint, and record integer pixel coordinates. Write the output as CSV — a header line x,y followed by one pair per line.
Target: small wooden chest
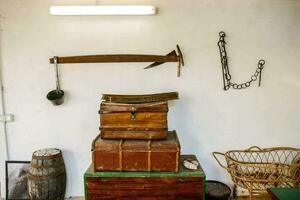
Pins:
x,y
184,185
134,121
136,155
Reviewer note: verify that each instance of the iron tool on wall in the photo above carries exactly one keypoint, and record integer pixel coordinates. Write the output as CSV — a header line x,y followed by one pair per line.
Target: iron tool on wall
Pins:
x,y
225,69
173,56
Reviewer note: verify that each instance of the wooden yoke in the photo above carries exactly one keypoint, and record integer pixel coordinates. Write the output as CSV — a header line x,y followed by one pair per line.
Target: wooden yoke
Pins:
x,y
157,59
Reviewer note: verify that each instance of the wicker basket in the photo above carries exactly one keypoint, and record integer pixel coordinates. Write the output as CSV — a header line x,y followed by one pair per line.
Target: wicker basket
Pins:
x,y
257,169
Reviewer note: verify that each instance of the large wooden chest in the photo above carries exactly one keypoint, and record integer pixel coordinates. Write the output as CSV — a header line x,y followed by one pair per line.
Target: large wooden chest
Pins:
x,y
184,185
134,121
136,155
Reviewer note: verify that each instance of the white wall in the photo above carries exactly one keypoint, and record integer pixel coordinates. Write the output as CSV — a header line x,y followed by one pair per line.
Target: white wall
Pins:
x,y
206,117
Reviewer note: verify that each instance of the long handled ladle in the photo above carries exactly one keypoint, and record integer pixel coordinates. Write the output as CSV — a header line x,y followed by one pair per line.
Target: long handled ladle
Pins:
x,y
56,96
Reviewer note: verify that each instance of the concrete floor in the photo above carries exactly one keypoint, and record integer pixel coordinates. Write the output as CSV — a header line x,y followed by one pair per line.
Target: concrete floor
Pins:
x,y
238,198
255,198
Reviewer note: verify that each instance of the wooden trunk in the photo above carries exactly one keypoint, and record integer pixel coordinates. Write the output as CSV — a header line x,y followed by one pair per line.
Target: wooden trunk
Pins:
x,y
136,155
184,185
134,121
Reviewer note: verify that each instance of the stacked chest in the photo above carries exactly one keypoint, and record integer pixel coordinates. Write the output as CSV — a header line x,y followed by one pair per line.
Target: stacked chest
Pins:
x,y
136,155
134,135
184,185
146,121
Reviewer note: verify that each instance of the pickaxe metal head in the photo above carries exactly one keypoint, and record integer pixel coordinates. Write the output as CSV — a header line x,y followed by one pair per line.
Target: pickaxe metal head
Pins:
x,y
172,53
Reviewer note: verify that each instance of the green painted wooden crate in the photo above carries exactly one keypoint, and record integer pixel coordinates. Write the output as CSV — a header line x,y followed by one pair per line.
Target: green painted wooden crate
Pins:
x,y
186,184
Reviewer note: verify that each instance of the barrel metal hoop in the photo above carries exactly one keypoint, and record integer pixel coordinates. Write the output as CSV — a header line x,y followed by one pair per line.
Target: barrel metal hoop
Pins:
x,y
33,177
47,157
61,164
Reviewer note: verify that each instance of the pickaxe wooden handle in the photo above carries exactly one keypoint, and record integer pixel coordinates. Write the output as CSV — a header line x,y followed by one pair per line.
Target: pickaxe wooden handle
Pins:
x,y
114,58
157,59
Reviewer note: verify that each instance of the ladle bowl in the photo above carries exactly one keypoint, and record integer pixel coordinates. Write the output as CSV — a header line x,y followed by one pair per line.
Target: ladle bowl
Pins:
x,y
56,97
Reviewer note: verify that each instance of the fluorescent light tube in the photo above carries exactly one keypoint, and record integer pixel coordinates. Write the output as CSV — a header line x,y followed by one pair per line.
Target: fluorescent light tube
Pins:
x,y
102,10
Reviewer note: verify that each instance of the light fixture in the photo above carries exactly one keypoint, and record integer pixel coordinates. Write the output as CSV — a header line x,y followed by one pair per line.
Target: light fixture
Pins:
x,y
103,10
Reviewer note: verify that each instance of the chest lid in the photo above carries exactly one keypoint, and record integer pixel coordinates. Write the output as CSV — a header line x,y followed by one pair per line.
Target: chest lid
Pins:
x,y
171,144
106,145
108,107
145,98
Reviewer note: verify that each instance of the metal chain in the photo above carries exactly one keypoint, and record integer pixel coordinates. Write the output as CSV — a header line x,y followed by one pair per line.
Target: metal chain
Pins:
x,y
225,70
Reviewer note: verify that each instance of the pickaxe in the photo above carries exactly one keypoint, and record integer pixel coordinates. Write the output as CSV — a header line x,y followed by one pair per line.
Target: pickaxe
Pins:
x,y
173,56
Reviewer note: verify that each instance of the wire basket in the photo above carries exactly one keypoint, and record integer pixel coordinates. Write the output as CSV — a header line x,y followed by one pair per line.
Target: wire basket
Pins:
x,y
257,169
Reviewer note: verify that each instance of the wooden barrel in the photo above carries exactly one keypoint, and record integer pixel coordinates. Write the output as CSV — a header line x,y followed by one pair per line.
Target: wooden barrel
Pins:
x,y
47,175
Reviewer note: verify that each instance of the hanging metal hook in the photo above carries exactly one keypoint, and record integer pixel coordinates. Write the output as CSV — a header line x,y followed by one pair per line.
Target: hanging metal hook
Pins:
x,y
56,96
56,72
